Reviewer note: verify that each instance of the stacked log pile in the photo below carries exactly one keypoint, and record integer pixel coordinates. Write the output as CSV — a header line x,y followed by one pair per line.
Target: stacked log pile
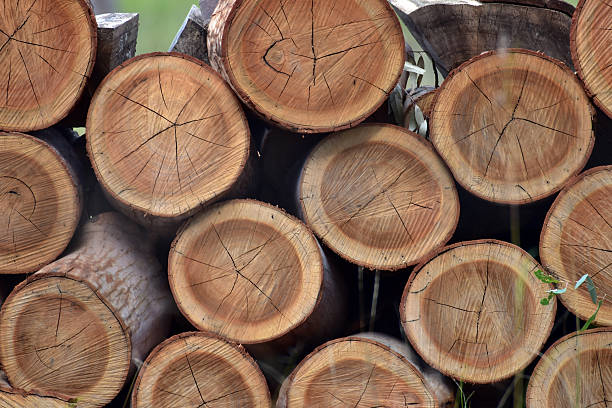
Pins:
x,y
251,200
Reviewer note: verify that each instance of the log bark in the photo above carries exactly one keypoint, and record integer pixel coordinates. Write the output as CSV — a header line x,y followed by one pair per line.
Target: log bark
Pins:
x,y
514,127
309,66
575,371
577,239
379,196
253,274
452,32
188,141
365,370
473,312
74,326
191,37
200,369
40,197
46,60
590,38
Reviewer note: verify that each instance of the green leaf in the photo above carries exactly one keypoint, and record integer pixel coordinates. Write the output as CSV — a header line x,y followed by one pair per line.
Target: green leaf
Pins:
x,y
591,288
588,322
581,280
546,301
413,68
545,278
558,291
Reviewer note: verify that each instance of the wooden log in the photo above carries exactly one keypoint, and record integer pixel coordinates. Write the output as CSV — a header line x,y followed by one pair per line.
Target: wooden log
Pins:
x,y
472,311
379,196
590,38
191,37
424,98
453,31
311,65
577,239
14,398
576,371
188,138
514,127
74,326
200,369
40,197
253,274
366,370
48,50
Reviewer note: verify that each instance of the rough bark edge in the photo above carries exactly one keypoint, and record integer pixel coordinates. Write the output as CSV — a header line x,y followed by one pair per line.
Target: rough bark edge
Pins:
x,y
576,59
160,348
6,388
560,64
426,144
219,26
144,216
571,183
448,248
298,325
63,153
554,5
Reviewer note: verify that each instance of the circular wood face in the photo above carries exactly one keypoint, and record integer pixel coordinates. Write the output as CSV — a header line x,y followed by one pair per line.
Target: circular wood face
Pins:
x,y
590,39
47,49
513,127
58,336
313,65
200,369
379,196
575,371
165,135
577,239
246,270
357,372
473,312
39,204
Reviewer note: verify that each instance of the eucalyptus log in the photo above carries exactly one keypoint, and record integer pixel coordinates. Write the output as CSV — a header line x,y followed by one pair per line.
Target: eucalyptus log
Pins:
x,y
576,371
48,50
577,239
514,126
200,369
473,311
452,32
166,136
379,196
191,37
253,274
590,37
75,326
366,370
14,398
308,65
40,199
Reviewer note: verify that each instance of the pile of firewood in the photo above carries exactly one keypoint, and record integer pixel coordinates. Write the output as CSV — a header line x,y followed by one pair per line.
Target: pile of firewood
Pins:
x,y
245,224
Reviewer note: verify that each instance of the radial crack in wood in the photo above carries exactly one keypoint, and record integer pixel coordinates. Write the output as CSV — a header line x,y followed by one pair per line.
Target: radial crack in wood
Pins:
x,y
251,273
577,239
308,65
576,371
473,312
528,129
200,370
591,36
379,196
166,136
40,202
47,49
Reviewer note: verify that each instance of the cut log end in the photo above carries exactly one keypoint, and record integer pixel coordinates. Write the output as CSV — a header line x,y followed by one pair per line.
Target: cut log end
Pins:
x,y
48,49
308,65
40,203
165,135
356,372
577,239
590,38
57,334
513,126
575,371
379,196
246,270
473,312
199,369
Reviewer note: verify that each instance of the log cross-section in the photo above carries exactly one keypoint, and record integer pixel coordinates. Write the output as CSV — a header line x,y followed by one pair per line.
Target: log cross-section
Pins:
x,y
513,126
308,65
47,49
